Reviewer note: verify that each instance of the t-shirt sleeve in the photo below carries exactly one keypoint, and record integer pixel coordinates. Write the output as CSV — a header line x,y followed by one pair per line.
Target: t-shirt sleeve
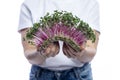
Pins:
x,y
25,18
94,20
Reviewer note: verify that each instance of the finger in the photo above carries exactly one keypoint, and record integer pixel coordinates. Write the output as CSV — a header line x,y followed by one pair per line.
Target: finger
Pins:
x,y
71,53
47,52
53,51
69,46
66,51
71,49
74,52
55,48
42,52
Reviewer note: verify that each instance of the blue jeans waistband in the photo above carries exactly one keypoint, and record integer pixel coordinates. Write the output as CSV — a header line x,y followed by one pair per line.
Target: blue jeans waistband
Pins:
x,y
76,73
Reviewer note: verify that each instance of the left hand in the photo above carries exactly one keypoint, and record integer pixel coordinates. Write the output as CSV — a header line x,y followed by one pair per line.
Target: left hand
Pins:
x,y
72,53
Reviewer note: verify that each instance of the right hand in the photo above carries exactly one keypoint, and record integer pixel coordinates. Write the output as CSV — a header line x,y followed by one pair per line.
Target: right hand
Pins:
x,y
51,50
70,52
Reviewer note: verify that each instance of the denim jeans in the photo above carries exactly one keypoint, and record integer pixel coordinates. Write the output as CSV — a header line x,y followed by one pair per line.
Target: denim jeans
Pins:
x,y
76,73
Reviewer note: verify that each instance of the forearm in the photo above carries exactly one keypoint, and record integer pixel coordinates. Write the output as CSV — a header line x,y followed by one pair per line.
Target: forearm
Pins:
x,y
34,57
30,51
89,52
87,55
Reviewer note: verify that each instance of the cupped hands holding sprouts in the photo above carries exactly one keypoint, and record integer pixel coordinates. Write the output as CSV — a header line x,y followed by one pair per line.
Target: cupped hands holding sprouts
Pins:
x,y
60,26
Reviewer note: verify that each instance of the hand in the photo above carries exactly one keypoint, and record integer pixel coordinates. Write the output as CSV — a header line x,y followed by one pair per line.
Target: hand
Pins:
x,y
70,52
51,50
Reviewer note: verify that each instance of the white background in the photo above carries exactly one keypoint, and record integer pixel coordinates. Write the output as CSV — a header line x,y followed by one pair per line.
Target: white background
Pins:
x,y
14,66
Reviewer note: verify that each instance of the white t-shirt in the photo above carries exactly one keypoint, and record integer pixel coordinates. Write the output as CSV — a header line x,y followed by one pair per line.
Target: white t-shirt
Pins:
x,y
32,10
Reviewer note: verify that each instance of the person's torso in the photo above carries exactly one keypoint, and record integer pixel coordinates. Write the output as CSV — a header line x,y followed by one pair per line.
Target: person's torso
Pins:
x,y
80,8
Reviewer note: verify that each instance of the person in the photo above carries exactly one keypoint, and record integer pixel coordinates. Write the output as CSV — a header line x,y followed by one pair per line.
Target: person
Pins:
x,y
59,61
